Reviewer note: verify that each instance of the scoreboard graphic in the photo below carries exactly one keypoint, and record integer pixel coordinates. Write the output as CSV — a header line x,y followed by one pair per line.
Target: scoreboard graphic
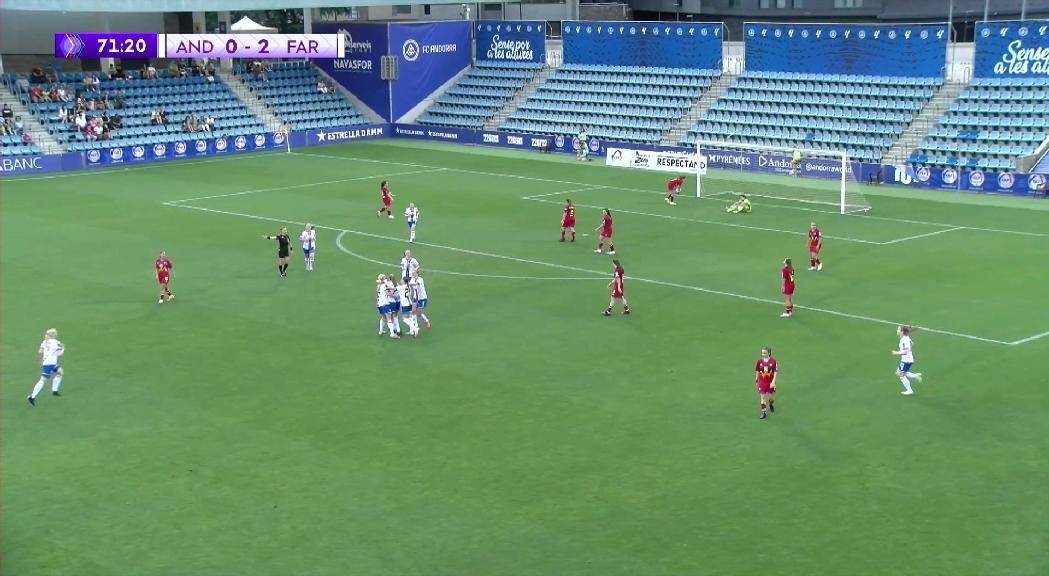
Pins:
x,y
71,45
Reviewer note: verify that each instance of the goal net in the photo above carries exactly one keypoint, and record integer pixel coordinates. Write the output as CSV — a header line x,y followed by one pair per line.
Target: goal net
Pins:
x,y
820,180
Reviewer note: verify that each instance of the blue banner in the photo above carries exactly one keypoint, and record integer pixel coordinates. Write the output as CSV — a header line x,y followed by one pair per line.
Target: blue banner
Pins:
x,y
127,155
780,164
347,134
516,41
28,165
669,45
429,56
1018,49
537,142
911,50
966,180
360,72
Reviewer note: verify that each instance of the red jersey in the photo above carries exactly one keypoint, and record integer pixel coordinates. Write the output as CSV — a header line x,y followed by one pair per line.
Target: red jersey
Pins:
x,y
815,236
766,372
163,266
617,282
675,184
385,193
606,225
569,213
788,280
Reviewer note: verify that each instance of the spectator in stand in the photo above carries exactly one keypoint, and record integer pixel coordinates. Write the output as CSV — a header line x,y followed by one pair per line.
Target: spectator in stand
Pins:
x,y
120,99
7,112
116,122
26,139
3,127
106,104
51,75
163,116
322,87
189,125
19,125
63,115
209,71
36,94
106,135
80,121
154,118
105,121
119,74
37,76
172,69
90,105
63,94
207,124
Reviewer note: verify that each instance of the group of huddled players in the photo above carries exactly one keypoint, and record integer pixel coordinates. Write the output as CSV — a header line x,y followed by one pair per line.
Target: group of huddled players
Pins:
x,y
401,298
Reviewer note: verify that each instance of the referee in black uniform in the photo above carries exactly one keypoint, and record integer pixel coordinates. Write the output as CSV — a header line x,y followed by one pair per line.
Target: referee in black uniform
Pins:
x,y
283,249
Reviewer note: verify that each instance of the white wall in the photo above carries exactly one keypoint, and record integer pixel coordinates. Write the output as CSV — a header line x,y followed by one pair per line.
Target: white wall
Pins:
x,y
26,32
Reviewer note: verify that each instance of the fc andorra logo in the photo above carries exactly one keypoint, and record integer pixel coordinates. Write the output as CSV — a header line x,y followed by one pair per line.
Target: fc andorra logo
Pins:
x,y
777,33
159,149
950,176
278,137
1036,182
220,144
1005,180
924,174
260,140
976,179
559,141
892,34
180,148
410,50
804,33
595,145
202,146
985,32
862,34
924,34
750,32
93,156
138,151
116,153
240,142
575,143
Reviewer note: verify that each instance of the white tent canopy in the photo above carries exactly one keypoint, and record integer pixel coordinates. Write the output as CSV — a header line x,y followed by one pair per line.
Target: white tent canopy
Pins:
x,y
247,25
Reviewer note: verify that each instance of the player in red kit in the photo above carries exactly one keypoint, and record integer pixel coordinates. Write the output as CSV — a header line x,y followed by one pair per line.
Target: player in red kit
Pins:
x,y
568,220
617,290
788,288
606,233
673,187
163,267
387,202
765,379
815,244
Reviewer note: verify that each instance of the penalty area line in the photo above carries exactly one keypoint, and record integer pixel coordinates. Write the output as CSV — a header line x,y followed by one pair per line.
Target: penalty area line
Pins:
x,y
604,274
1029,339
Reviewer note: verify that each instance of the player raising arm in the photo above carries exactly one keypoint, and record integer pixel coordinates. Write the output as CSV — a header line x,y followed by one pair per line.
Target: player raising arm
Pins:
x,y
788,288
387,201
673,187
606,233
163,268
50,350
906,354
616,285
283,249
765,379
568,220
815,245
309,245
411,215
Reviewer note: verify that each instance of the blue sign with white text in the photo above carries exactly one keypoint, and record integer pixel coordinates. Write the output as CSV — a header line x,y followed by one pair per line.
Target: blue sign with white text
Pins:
x,y
516,41
668,45
28,165
967,180
360,72
429,56
1018,49
909,50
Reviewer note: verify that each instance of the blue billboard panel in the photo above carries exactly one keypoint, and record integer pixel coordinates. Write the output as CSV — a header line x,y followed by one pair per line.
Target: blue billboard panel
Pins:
x,y
667,45
1018,49
429,55
360,72
909,50
517,41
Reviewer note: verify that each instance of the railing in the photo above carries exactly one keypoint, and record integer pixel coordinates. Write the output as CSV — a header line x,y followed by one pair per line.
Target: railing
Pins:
x,y
1026,163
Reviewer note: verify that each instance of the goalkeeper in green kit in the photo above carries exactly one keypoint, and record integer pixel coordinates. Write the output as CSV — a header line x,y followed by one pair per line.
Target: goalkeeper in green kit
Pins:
x,y
741,206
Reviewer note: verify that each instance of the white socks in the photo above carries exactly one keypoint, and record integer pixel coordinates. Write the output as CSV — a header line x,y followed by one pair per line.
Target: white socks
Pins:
x,y
382,322
906,384
411,237
55,383
423,316
36,389
393,330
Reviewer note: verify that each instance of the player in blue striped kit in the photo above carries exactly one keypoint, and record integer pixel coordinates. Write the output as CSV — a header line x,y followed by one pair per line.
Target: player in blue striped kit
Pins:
x,y
411,215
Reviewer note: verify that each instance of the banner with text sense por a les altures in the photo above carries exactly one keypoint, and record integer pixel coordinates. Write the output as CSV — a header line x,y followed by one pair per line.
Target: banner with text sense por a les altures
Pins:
x,y
360,72
883,50
1018,49
510,41
669,44
429,55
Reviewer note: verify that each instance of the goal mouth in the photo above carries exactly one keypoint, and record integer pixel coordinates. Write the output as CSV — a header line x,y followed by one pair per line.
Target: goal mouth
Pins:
x,y
800,178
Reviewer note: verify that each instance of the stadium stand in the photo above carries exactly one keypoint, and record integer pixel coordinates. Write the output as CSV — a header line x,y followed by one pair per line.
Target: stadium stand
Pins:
x,y
863,115
131,121
290,90
621,103
992,124
479,94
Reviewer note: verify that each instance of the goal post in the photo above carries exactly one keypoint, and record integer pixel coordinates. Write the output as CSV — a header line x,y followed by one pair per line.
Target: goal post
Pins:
x,y
820,180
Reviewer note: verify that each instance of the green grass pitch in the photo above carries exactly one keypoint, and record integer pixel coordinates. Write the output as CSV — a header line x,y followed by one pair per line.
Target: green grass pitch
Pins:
x,y
259,426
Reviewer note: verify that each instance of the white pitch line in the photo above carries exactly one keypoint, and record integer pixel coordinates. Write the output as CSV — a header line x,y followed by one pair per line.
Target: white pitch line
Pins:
x,y
926,235
338,244
307,185
533,197
605,273
711,222
1029,339
536,179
